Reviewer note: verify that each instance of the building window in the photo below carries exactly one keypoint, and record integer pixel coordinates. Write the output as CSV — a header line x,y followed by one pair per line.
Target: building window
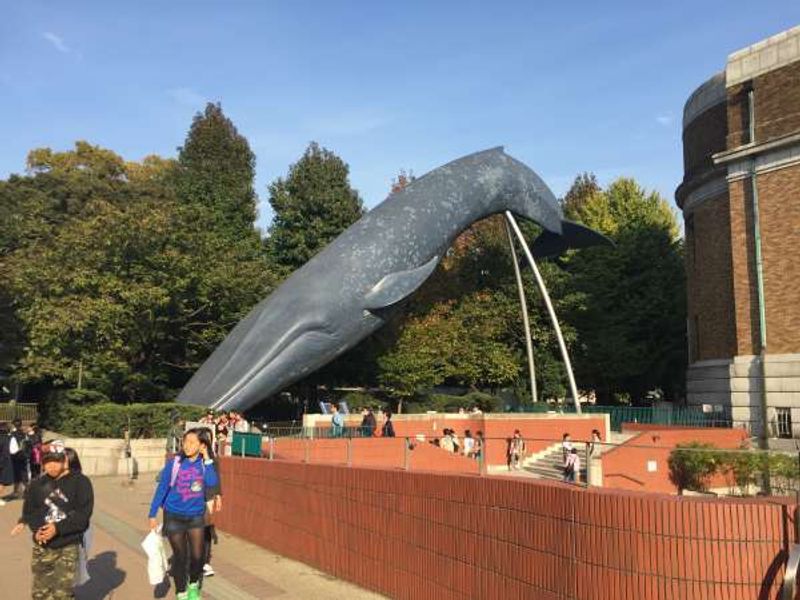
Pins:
x,y
749,116
784,422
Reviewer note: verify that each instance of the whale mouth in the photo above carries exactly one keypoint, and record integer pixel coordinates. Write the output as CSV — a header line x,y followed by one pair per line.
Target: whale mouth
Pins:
x,y
290,339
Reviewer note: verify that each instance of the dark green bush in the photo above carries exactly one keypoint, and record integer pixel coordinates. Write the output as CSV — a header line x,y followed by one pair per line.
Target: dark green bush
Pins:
x,y
691,465
358,400
449,403
110,420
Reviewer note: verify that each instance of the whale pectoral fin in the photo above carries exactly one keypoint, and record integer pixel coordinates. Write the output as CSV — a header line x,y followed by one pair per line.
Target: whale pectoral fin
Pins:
x,y
574,235
394,287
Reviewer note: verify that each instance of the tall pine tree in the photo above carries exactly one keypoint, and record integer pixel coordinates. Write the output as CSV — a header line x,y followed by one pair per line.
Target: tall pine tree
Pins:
x,y
312,206
217,171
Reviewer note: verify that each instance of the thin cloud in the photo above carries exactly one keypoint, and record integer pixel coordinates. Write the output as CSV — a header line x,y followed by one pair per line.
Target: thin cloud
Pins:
x,y
354,123
57,42
187,97
665,119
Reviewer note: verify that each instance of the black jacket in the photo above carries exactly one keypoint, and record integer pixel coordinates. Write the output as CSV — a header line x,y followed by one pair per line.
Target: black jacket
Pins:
x,y
67,502
6,466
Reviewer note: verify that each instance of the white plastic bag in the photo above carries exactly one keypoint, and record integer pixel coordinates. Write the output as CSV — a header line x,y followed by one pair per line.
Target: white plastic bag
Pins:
x,y
157,565
84,548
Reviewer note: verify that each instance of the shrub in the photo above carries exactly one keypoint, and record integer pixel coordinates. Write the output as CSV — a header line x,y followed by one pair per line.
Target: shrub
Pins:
x,y
449,403
110,420
358,400
691,465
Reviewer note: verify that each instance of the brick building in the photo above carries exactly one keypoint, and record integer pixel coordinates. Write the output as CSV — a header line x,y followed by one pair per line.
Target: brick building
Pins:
x,y
740,198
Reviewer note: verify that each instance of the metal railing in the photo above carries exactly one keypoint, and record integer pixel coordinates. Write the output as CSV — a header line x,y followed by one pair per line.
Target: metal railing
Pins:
x,y
16,410
673,416
705,470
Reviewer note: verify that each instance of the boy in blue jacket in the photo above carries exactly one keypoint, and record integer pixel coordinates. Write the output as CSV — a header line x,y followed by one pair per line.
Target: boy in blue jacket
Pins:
x,y
181,492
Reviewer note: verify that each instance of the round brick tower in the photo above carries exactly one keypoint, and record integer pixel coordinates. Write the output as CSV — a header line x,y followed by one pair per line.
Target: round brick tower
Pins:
x,y
740,198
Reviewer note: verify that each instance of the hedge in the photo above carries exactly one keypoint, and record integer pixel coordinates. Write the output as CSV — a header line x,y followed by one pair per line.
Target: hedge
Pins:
x,y
692,465
109,420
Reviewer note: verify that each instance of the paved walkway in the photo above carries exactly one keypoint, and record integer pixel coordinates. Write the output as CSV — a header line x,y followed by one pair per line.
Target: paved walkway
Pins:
x,y
118,565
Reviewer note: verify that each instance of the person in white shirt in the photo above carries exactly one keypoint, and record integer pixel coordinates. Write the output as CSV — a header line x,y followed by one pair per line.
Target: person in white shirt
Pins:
x,y
469,443
566,446
572,466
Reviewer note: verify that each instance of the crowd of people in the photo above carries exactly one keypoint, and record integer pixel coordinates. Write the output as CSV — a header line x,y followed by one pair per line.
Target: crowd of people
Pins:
x,y
470,446
20,457
224,424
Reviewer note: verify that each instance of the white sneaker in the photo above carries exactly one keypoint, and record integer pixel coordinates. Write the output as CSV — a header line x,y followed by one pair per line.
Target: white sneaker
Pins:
x,y
208,571
2,502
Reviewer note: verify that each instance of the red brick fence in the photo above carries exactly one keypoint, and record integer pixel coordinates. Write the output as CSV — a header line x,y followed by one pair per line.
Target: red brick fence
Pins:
x,y
443,536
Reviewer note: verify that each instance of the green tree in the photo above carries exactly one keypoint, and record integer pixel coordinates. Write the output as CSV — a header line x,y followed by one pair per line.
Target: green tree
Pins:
x,y
216,169
312,206
115,281
631,317
464,326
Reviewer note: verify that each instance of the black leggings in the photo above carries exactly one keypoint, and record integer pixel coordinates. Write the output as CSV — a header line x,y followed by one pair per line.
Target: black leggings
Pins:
x,y
187,538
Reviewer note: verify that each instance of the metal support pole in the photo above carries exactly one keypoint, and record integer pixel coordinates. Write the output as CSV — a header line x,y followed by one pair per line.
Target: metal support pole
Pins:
x,y
406,456
561,344
762,314
523,304
349,451
306,451
272,448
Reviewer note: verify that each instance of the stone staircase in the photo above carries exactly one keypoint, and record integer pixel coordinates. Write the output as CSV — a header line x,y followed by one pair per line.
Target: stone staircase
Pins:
x,y
548,464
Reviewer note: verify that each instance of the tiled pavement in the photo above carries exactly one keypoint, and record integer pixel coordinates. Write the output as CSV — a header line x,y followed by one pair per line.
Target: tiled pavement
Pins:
x,y
118,565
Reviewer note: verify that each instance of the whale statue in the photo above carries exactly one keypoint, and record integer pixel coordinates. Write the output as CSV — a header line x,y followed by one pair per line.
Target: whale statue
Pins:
x,y
347,291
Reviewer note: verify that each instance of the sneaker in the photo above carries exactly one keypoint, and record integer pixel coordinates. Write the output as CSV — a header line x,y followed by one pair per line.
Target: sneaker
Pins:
x,y
2,502
194,591
182,596
208,570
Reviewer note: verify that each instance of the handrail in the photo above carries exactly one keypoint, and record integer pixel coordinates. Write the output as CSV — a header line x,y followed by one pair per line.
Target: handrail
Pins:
x,y
789,587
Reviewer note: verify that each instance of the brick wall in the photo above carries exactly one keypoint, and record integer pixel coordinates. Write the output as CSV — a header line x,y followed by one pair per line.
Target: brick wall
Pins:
x,y
777,102
450,537
540,430
779,206
709,284
744,276
626,467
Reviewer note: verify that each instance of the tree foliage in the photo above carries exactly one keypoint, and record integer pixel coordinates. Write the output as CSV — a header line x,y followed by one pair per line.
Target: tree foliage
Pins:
x,y
115,281
216,170
312,206
632,316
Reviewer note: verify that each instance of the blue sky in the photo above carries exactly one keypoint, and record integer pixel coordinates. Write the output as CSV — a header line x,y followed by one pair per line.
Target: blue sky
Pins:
x,y
575,86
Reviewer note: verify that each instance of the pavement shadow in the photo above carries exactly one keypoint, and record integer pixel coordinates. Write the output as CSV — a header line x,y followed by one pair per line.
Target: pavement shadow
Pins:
x,y
104,577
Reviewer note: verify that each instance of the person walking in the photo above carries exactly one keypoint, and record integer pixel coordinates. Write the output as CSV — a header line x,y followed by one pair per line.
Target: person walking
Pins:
x,y
181,494
20,455
35,444
368,423
572,466
213,502
57,508
175,435
516,450
337,421
388,427
6,466
469,443
480,444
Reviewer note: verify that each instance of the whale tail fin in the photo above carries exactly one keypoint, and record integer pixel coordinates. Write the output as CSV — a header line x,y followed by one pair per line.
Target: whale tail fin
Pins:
x,y
573,235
